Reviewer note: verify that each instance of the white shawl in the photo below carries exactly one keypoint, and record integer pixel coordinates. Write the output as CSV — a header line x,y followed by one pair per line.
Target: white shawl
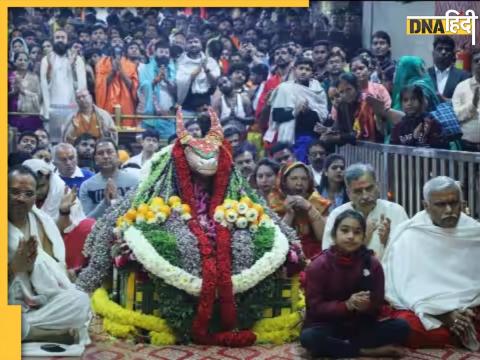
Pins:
x,y
289,95
185,67
56,191
49,275
432,270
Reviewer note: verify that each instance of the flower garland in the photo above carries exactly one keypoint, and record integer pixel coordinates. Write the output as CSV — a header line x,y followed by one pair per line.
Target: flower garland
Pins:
x,y
121,322
241,214
216,272
284,328
175,276
98,246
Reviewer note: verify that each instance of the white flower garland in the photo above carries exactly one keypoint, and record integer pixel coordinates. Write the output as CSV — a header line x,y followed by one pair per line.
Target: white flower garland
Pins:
x,y
179,278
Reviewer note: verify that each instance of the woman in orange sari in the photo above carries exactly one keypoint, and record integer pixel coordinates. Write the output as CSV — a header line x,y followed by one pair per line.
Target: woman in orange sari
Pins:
x,y
300,206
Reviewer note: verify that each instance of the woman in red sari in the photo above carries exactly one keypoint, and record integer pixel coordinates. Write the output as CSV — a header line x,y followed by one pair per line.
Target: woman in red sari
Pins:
x,y
300,206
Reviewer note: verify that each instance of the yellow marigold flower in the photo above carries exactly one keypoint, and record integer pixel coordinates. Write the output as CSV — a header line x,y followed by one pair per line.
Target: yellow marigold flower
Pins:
x,y
143,209
265,220
174,200
165,209
247,200
230,204
131,214
156,202
120,222
231,215
150,215
186,209
259,209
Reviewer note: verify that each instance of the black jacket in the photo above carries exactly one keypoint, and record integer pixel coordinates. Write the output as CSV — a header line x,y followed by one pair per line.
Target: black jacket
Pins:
x,y
454,77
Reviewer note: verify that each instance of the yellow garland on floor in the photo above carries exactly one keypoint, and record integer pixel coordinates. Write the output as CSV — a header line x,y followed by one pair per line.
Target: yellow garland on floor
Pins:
x,y
118,330
160,339
120,322
284,328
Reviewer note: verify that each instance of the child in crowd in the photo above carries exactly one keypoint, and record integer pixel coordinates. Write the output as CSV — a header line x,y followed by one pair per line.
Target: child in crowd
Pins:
x,y
417,127
344,295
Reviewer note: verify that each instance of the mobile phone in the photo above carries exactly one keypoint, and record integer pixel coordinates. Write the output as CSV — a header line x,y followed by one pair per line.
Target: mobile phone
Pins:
x,y
53,348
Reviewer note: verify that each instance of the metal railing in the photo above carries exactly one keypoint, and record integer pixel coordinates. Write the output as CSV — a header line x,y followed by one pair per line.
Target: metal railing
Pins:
x,y
402,171
118,116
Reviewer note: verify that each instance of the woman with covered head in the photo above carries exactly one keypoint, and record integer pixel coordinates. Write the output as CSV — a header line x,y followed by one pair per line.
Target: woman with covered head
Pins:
x,y
411,70
17,45
301,207
24,94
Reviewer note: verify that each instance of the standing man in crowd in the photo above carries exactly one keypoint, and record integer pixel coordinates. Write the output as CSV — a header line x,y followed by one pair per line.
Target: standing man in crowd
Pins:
x,y
196,76
61,74
465,102
157,91
116,82
444,74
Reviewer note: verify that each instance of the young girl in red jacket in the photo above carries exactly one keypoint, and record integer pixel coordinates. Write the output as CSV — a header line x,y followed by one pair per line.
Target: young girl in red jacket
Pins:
x,y
344,296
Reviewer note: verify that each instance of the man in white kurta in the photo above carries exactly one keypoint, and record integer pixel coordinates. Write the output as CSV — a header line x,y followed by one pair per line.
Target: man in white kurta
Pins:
x,y
382,216
61,74
432,270
51,305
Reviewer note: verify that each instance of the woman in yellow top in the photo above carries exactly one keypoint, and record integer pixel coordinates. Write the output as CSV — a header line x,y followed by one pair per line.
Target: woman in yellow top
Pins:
x,y
301,207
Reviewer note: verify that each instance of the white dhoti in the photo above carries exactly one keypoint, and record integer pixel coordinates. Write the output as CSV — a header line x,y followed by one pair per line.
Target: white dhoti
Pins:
x,y
49,299
69,309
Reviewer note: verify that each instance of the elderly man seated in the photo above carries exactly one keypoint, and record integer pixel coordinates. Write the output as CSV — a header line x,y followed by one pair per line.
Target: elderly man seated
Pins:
x,y
432,270
53,309
382,216
89,119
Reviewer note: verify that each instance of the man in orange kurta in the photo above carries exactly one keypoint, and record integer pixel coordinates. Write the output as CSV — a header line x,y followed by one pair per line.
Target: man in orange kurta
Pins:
x,y
116,82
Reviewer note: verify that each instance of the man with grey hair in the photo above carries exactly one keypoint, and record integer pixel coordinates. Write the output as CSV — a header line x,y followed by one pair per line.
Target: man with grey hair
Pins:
x,y
89,119
432,270
382,216
65,161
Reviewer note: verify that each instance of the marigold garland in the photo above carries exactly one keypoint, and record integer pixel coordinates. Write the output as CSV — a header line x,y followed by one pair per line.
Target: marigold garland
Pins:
x,y
102,305
161,339
118,330
281,329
